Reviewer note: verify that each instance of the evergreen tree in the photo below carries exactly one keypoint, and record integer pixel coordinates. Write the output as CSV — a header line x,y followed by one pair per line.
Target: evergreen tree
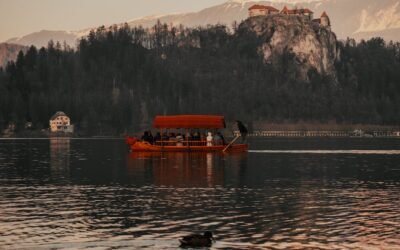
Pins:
x,y
118,78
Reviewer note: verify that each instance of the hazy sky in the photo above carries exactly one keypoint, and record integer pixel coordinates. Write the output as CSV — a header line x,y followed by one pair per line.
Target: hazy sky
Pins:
x,y
21,17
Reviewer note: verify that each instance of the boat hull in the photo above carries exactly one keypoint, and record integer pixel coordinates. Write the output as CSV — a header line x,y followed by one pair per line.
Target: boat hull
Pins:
x,y
147,147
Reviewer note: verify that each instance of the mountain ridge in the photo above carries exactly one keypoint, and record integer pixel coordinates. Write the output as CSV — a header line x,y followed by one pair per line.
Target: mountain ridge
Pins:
x,y
359,19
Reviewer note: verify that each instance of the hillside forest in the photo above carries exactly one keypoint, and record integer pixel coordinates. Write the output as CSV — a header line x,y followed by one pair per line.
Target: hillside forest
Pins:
x,y
118,78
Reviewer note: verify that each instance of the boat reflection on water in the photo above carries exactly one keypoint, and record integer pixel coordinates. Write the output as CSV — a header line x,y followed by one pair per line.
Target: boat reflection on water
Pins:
x,y
60,148
179,169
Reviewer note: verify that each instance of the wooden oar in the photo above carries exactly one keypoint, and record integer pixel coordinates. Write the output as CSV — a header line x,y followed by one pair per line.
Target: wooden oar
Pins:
x,y
230,144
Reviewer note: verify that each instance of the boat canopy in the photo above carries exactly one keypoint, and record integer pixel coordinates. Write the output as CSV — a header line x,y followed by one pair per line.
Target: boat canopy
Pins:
x,y
189,121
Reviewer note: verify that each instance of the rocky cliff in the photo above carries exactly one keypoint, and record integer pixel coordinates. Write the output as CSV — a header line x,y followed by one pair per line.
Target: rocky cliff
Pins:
x,y
306,45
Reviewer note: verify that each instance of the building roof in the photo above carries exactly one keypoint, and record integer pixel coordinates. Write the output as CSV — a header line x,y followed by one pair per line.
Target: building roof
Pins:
x,y
270,8
324,15
57,114
263,7
189,121
307,11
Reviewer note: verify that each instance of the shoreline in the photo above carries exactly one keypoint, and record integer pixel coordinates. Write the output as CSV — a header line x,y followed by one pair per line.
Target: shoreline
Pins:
x,y
267,134
320,134
258,129
61,138
317,126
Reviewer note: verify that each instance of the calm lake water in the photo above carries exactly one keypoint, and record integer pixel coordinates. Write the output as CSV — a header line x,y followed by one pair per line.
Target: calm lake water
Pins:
x,y
283,194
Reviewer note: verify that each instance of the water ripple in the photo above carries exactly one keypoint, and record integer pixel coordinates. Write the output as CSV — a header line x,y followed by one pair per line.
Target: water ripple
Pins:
x,y
354,152
120,214
51,199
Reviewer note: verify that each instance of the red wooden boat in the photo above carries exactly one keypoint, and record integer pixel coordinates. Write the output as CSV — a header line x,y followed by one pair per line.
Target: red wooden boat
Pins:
x,y
186,122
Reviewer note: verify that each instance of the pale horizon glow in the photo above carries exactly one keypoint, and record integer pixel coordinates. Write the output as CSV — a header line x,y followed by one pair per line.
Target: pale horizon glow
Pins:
x,y
22,17
277,1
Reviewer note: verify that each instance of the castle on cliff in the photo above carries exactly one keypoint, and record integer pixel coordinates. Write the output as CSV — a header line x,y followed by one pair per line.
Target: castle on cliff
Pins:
x,y
262,10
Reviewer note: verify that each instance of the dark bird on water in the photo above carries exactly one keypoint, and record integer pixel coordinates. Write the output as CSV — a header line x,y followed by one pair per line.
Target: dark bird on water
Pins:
x,y
197,240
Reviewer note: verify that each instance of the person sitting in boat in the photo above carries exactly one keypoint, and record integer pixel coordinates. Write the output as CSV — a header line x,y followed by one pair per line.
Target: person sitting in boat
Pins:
x,y
151,138
188,136
179,140
196,136
157,137
217,139
203,137
147,137
209,139
165,136
222,138
172,139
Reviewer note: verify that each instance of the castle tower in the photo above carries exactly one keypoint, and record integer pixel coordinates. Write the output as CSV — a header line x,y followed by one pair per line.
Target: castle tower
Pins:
x,y
285,10
325,22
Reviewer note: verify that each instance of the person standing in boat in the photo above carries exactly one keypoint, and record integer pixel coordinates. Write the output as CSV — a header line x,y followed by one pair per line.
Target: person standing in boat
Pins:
x,y
243,130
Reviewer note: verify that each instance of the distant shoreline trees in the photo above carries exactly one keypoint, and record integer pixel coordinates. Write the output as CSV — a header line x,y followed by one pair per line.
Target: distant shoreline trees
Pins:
x,y
120,77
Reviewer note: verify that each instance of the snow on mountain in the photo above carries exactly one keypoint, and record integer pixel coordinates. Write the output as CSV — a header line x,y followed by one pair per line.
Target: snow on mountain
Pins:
x,y
360,19
388,18
41,38
276,1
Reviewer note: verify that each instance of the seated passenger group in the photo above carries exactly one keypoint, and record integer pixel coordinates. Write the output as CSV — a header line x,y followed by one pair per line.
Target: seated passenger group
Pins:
x,y
179,139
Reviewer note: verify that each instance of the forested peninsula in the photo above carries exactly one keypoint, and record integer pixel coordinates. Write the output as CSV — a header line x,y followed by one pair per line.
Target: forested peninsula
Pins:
x,y
118,78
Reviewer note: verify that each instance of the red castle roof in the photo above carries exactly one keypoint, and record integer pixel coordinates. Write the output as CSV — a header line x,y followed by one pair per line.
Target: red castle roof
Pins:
x,y
285,10
324,15
307,11
263,7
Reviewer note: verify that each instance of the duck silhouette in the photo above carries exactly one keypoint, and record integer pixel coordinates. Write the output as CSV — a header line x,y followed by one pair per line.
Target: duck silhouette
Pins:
x,y
197,240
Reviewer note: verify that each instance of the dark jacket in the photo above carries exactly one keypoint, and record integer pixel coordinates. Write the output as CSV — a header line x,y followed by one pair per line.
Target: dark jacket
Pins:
x,y
241,127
